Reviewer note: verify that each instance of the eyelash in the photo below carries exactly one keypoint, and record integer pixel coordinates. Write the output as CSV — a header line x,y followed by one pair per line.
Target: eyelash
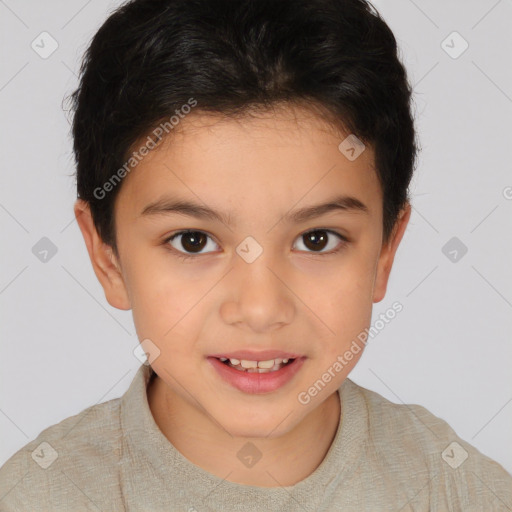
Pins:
x,y
186,256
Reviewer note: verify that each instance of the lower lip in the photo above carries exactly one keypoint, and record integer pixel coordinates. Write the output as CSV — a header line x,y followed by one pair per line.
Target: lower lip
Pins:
x,y
254,382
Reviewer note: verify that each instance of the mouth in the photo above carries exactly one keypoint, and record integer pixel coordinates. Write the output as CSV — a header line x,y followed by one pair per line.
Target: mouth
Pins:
x,y
260,374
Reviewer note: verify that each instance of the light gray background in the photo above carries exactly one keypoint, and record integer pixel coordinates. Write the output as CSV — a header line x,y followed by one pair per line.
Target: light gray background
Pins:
x,y
64,348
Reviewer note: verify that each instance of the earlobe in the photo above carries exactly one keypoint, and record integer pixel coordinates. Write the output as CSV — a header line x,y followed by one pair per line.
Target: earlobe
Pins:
x,y
387,255
104,263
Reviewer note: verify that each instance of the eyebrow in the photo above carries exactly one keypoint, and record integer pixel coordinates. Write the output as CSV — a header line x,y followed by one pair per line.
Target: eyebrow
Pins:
x,y
169,206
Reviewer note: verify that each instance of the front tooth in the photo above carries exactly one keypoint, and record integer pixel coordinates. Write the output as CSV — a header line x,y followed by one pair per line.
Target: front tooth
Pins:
x,y
248,364
234,362
266,364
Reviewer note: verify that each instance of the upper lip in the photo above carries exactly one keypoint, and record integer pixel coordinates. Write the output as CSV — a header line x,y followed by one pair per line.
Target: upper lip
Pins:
x,y
257,355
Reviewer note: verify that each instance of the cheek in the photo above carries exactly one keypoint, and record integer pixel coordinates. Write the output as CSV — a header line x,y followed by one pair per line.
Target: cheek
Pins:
x,y
170,310
161,296
345,293
344,304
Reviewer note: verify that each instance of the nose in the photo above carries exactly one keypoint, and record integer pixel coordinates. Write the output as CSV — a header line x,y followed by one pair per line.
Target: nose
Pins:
x,y
258,297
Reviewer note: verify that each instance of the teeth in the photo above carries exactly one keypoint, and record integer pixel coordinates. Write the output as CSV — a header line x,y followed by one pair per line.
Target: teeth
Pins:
x,y
266,364
248,364
270,365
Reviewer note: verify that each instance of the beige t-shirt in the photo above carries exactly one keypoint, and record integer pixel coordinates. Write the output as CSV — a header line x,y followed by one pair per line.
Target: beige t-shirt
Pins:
x,y
384,457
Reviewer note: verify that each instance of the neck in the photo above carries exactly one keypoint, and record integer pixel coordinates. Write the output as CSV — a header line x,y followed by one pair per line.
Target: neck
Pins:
x,y
287,459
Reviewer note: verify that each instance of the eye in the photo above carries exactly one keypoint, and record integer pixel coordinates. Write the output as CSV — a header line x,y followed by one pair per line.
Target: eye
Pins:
x,y
192,241
189,243
318,239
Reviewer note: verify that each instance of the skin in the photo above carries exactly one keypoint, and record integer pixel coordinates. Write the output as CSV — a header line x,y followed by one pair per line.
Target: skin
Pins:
x,y
291,297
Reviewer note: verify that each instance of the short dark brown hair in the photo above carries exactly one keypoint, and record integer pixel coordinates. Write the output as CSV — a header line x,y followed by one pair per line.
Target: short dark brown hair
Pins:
x,y
150,57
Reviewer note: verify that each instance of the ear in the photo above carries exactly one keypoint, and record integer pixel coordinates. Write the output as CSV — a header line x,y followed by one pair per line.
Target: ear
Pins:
x,y
387,254
105,265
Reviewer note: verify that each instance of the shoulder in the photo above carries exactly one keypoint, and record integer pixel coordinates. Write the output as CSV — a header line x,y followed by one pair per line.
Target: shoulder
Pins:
x,y
408,442
62,466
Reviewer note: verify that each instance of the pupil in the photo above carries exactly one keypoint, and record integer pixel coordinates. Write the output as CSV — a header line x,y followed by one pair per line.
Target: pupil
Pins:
x,y
196,238
316,237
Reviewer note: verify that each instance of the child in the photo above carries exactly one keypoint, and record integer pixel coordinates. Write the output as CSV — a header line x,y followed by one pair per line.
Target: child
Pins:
x,y
242,172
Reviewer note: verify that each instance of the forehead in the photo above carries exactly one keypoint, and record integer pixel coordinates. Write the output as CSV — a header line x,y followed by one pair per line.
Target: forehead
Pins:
x,y
267,160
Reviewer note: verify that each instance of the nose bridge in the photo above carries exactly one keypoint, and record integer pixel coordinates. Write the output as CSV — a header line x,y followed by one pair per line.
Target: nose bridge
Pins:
x,y
255,266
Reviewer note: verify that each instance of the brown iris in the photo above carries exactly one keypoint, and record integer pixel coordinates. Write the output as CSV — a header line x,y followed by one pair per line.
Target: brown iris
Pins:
x,y
317,239
193,240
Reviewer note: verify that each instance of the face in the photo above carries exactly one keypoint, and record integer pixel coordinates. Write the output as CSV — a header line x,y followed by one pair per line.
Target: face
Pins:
x,y
258,281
